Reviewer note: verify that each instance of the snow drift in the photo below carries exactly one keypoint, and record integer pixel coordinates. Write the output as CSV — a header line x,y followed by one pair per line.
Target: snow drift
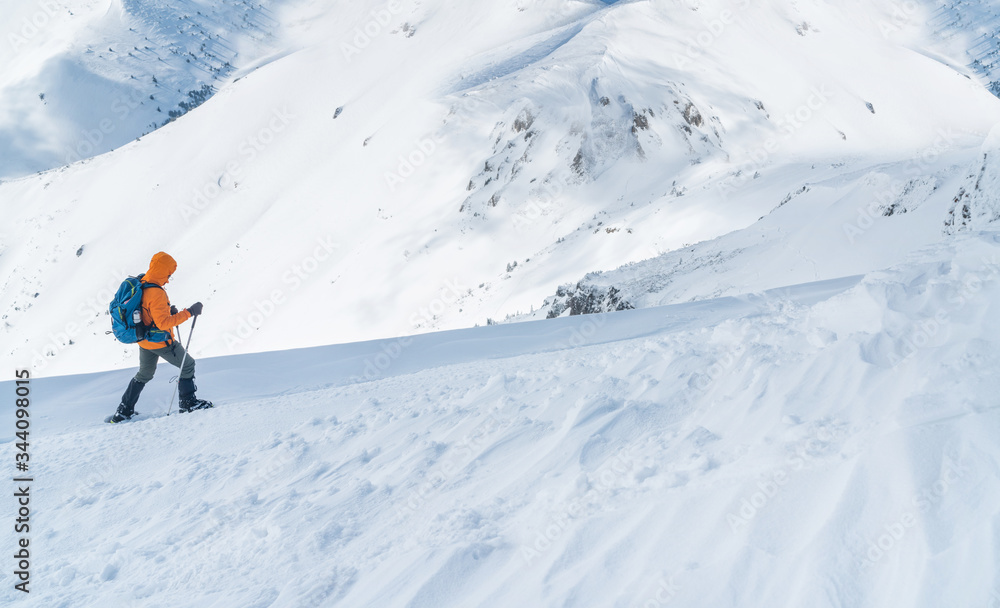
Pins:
x,y
829,444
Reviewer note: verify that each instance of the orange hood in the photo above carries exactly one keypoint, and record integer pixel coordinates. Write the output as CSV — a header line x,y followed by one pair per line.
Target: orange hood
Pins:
x,y
160,269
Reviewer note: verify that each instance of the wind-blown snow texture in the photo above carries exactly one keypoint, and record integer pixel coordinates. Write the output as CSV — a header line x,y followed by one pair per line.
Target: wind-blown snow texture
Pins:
x,y
791,206
827,445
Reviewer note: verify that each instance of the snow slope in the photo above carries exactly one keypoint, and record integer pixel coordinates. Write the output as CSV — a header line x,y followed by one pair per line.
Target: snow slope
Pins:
x,y
833,225
83,78
375,170
829,444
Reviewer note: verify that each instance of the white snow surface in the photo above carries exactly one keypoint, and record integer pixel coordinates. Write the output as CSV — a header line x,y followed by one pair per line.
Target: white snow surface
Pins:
x,y
828,444
799,199
373,169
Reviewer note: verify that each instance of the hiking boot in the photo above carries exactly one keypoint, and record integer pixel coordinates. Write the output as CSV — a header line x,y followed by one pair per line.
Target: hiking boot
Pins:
x,y
126,409
188,401
194,404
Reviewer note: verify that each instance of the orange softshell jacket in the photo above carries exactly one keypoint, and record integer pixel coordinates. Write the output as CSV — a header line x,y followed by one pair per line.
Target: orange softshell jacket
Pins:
x,y
155,304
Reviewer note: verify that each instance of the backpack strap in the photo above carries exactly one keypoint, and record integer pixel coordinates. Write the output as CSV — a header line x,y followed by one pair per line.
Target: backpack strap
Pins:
x,y
152,326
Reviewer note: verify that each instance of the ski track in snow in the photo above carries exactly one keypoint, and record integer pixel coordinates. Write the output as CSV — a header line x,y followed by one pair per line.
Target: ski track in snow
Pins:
x,y
749,451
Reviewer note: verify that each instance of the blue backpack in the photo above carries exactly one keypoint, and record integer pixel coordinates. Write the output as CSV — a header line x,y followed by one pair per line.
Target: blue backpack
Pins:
x,y
126,314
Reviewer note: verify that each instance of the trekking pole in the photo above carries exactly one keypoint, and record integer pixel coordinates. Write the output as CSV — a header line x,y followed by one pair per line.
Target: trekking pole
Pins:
x,y
183,360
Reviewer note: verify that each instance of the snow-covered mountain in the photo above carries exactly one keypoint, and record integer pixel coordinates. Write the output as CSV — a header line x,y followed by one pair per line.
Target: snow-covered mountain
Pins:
x,y
375,169
83,78
828,228
826,445
790,208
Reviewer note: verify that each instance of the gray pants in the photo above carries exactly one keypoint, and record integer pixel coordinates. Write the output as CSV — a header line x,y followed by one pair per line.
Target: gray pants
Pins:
x,y
172,354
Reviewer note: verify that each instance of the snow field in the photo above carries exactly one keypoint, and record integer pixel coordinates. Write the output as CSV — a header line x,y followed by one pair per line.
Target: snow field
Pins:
x,y
800,413
508,147
829,444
